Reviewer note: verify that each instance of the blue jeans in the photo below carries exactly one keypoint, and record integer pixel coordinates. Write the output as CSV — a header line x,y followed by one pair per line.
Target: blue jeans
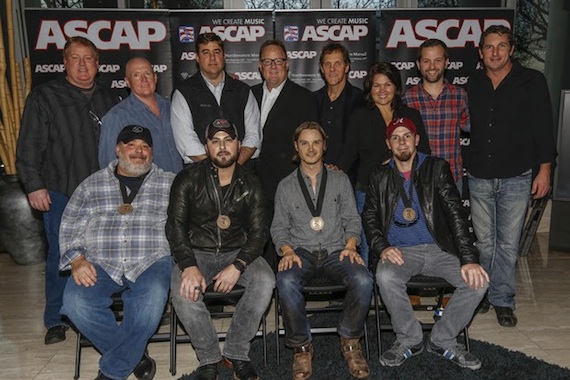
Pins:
x,y
498,209
121,345
428,260
55,280
257,279
355,277
364,248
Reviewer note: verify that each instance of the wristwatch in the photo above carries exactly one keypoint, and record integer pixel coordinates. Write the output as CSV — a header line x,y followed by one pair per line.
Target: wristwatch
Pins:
x,y
239,266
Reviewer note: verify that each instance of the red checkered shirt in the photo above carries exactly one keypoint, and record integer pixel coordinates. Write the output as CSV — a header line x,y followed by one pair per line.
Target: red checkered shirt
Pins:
x,y
443,118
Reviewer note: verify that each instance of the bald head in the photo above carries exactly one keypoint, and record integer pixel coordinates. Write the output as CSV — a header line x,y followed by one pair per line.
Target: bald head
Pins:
x,y
140,77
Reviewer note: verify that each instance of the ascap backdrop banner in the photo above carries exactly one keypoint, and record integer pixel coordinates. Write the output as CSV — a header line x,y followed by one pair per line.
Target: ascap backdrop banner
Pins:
x,y
119,36
243,32
305,33
166,39
401,32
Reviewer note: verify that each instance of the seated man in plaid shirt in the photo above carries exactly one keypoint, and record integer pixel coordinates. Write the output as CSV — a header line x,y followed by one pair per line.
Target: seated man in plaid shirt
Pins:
x,y
112,238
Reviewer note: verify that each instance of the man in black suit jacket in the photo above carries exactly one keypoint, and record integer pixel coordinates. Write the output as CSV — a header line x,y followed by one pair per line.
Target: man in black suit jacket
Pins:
x,y
284,106
336,99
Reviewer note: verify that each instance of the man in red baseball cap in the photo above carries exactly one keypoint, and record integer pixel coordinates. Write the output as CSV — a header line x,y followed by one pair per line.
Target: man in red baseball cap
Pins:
x,y
416,224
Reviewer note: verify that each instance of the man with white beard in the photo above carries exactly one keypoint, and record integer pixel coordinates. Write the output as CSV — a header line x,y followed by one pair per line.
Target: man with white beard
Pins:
x,y
112,238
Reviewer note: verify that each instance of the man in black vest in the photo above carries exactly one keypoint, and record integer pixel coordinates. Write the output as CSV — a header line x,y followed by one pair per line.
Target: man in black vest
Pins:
x,y
211,94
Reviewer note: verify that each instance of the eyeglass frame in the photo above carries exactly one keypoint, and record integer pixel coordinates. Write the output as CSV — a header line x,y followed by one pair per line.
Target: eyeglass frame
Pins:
x,y
267,62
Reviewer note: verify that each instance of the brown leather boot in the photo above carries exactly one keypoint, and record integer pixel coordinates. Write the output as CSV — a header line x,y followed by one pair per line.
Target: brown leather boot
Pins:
x,y
303,362
352,352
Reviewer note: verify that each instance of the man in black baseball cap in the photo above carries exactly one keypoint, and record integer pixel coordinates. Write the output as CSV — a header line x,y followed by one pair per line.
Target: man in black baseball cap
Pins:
x,y
221,125
133,132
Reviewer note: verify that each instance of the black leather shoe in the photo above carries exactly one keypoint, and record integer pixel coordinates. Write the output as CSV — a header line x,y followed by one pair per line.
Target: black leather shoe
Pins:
x,y
206,372
243,370
146,369
484,306
100,376
55,334
506,316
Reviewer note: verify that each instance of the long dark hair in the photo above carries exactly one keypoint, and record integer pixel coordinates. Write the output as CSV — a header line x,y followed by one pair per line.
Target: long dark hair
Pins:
x,y
393,74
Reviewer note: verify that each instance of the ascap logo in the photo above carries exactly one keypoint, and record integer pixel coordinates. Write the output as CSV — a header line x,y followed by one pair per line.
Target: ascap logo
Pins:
x,y
236,33
248,75
109,68
464,141
121,83
404,65
357,74
301,54
334,32
159,68
59,68
467,31
137,35
188,56
455,65
412,81
460,80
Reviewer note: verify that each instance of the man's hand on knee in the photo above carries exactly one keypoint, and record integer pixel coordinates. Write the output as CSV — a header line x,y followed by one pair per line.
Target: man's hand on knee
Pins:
x,y
192,283
393,254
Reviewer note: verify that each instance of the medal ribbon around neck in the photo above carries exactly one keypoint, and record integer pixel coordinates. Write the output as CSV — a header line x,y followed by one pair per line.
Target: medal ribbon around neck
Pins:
x,y
126,207
316,212
407,199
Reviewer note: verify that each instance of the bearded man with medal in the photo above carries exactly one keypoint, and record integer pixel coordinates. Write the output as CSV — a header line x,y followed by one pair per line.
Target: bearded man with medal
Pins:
x,y
316,228
416,224
112,238
217,227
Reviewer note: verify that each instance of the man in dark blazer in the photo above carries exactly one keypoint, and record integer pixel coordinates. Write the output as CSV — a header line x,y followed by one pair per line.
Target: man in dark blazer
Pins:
x,y
337,98
284,106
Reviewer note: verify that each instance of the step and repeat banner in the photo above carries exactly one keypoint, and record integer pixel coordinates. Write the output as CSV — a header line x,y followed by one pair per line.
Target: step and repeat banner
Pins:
x,y
305,33
243,32
167,40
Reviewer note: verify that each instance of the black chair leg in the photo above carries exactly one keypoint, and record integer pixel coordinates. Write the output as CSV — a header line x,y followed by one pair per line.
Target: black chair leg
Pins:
x,y
173,333
277,353
77,356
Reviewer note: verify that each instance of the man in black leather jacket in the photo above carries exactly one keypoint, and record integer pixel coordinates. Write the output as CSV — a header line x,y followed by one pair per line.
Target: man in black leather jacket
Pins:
x,y
415,224
217,226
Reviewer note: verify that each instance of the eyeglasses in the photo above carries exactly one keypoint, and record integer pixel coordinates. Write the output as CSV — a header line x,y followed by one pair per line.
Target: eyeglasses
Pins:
x,y
276,61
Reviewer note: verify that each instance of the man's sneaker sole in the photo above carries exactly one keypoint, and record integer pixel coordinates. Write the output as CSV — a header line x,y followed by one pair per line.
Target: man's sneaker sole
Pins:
x,y
447,354
408,354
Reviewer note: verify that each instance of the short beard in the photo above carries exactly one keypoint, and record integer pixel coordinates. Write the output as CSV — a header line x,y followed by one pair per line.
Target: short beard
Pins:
x,y
134,170
223,163
435,80
403,156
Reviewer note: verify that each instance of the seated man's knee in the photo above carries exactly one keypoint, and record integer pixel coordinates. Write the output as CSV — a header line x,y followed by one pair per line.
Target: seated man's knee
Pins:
x,y
386,276
361,279
287,280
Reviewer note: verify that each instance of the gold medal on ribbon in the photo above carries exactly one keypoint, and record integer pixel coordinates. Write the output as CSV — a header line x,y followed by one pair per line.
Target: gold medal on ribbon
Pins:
x,y
223,222
409,214
125,209
317,223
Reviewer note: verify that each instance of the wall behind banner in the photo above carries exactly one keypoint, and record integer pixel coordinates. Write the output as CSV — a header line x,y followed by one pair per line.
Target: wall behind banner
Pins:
x,y
166,39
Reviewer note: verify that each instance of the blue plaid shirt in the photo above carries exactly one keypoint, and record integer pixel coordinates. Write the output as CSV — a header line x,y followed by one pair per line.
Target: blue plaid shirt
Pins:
x,y
123,245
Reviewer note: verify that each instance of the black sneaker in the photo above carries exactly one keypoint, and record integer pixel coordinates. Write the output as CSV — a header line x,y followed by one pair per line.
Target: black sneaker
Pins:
x,y
206,372
55,334
505,316
399,353
457,354
243,370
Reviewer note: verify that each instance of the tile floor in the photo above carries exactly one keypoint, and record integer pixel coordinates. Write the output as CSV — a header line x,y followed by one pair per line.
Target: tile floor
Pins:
x,y
543,330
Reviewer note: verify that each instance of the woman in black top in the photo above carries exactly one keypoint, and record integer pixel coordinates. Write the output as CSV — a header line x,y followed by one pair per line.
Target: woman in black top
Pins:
x,y
365,144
